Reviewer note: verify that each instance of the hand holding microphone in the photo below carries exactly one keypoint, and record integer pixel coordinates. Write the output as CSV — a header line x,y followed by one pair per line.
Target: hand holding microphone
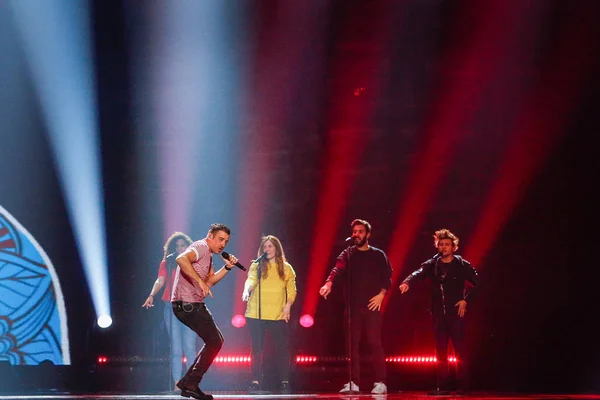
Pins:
x,y
233,260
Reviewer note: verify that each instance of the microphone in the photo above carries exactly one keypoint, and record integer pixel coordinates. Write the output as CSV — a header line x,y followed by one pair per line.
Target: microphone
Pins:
x,y
437,256
263,255
237,264
349,239
171,262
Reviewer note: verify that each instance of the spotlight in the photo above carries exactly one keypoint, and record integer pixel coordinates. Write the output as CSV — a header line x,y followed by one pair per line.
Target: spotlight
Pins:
x,y
104,321
57,42
238,321
307,321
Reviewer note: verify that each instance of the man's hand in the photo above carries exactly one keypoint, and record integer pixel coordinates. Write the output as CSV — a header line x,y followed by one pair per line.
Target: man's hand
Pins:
x,y
149,302
325,289
285,313
245,296
403,288
231,262
205,288
462,308
375,302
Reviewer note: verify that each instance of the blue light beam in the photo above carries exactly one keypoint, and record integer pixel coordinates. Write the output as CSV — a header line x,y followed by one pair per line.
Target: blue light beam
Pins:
x,y
56,40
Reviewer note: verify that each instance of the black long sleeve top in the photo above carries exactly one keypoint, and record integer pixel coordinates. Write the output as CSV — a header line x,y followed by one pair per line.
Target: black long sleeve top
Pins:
x,y
369,270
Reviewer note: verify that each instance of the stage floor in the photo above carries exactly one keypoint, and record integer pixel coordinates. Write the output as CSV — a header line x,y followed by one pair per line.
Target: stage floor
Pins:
x,y
321,396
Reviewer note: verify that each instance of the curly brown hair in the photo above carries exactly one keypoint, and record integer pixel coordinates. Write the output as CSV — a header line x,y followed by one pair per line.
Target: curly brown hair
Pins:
x,y
169,246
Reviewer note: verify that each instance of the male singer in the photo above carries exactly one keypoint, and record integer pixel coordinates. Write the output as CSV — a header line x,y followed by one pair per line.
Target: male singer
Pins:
x,y
369,280
449,273
193,281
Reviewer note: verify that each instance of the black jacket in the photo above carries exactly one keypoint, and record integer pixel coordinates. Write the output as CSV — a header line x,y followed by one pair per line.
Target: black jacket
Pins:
x,y
448,282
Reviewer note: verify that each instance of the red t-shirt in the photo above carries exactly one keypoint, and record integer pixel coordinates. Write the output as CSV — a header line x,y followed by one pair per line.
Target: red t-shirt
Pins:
x,y
163,271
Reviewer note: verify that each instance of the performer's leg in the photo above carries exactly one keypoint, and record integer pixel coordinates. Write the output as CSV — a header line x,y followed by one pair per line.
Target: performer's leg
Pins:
x,y
357,322
188,338
175,329
440,332
373,324
457,335
280,334
257,337
201,321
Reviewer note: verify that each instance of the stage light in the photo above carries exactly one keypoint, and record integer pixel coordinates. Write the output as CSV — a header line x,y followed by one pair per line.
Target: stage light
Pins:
x,y
186,74
104,321
57,45
238,321
233,359
307,321
359,91
417,360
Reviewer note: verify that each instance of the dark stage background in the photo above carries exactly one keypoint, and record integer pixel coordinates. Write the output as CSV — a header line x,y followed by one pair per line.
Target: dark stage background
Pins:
x,y
366,108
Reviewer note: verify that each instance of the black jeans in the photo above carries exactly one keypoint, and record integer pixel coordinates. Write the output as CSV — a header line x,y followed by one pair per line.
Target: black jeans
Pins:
x,y
198,318
279,333
370,322
448,327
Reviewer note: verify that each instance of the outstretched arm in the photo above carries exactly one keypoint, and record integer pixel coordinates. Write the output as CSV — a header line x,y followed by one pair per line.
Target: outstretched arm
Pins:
x,y
251,282
418,275
158,284
339,269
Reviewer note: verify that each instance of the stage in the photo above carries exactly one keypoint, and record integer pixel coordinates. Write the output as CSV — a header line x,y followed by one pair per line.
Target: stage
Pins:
x,y
413,395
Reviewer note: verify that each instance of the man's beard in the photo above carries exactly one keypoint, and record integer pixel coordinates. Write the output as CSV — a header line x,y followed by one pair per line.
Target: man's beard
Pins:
x,y
361,243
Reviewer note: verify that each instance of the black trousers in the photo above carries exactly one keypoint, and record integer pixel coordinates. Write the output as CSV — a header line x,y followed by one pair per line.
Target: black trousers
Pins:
x,y
198,318
448,327
369,322
278,330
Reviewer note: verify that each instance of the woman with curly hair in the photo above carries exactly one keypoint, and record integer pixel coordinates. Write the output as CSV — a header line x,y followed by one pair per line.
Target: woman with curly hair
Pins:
x,y
183,340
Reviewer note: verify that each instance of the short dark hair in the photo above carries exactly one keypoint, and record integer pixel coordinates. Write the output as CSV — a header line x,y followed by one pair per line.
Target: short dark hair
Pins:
x,y
361,222
219,227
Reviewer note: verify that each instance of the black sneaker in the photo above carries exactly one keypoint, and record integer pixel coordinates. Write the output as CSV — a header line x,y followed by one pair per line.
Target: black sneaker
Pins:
x,y
285,388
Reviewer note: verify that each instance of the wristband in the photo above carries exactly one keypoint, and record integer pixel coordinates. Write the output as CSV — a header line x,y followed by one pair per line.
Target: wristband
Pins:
x,y
227,268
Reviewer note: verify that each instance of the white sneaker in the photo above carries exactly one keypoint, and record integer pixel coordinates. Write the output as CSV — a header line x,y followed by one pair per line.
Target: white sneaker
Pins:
x,y
379,388
346,388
